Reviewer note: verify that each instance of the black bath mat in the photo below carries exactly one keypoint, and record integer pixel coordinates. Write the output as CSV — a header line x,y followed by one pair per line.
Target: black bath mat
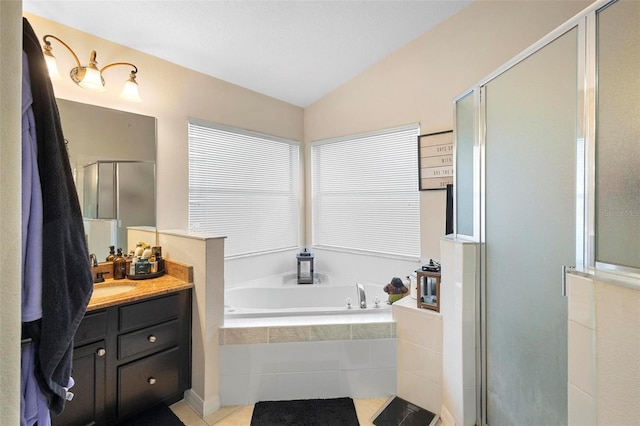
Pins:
x,y
160,415
398,412
305,412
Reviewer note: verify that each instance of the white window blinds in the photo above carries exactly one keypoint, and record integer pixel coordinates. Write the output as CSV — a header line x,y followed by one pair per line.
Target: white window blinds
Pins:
x,y
243,185
365,192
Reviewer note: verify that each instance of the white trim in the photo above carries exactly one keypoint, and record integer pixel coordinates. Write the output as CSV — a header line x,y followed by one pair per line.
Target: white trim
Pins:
x,y
446,417
201,407
239,130
367,134
590,146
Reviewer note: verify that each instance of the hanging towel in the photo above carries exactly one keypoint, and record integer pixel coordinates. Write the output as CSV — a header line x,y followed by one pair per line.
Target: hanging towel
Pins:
x,y
67,281
33,403
31,207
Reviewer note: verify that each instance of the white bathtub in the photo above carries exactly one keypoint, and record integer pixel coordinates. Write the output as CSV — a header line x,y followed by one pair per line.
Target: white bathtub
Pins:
x,y
281,296
315,343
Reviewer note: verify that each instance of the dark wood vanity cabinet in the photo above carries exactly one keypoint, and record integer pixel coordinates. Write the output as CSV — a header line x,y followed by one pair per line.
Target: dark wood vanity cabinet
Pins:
x,y
88,404
128,358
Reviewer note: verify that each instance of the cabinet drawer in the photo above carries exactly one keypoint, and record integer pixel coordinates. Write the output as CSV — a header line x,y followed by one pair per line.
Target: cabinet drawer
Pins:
x,y
149,312
92,327
144,383
149,340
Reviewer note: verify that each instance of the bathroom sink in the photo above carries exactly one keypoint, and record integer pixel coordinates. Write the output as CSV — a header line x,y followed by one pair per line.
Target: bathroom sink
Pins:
x,y
111,290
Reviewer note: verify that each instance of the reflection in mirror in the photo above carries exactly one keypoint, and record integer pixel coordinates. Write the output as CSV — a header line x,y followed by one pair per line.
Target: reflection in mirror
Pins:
x,y
465,165
112,155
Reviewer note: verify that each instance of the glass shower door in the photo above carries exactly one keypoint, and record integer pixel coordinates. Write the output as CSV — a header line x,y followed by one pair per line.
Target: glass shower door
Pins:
x,y
530,151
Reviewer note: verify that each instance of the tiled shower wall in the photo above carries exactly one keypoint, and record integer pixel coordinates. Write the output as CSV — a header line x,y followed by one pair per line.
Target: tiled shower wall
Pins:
x,y
458,309
603,351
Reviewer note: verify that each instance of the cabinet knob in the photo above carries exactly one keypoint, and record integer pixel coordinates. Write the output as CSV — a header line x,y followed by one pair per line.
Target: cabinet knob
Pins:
x,y
101,352
152,338
152,380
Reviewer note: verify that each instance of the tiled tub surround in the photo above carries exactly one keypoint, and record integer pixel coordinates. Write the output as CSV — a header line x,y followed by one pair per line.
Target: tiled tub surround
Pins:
x,y
419,352
281,340
319,357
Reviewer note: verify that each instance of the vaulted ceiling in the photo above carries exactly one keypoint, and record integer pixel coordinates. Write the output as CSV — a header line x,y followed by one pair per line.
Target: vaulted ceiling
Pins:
x,y
295,51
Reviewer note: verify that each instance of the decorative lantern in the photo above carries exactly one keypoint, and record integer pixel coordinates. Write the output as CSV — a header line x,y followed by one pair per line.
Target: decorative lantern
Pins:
x,y
305,267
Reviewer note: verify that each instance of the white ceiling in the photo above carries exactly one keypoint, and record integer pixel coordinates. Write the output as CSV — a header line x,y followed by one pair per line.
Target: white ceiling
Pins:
x,y
295,51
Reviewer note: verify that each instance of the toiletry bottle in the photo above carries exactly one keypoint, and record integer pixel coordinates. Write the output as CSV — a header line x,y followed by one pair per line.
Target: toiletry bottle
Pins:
x,y
146,253
157,253
139,249
119,266
112,254
132,265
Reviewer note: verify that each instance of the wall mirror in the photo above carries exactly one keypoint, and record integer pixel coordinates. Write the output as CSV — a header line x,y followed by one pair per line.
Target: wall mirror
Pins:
x,y
113,156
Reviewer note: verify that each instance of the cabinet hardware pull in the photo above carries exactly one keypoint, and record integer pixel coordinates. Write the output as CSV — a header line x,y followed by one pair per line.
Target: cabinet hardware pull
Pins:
x,y
101,352
152,338
152,380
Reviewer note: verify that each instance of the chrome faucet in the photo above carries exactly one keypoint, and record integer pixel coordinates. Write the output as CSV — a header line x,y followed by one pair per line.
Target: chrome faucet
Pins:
x,y
93,259
362,297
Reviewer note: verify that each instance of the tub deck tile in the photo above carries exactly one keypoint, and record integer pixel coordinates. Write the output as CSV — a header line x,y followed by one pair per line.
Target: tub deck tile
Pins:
x,y
330,332
288,334
381,330
242,333
243,336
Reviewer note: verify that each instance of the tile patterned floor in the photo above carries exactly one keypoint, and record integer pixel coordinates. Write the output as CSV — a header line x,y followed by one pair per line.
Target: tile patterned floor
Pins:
x,y
241,415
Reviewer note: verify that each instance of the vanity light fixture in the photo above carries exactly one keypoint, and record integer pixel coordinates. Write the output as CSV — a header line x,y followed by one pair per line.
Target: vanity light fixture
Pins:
x,y
89,76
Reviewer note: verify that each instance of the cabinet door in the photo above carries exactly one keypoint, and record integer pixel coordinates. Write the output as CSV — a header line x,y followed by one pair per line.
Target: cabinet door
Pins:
x,y
88,403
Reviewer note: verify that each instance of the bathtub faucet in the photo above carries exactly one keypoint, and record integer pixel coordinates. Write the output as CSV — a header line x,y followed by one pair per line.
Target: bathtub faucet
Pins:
x,y
362,297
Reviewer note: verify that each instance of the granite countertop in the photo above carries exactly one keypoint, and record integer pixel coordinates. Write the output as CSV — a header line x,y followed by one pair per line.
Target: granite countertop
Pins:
x,y
178,277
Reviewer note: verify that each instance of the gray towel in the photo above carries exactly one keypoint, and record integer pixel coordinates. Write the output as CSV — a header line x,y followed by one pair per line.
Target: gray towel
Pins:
x,y
67,281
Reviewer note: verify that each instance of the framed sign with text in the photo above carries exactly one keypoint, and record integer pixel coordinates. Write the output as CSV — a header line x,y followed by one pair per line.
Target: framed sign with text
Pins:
x,y
435,160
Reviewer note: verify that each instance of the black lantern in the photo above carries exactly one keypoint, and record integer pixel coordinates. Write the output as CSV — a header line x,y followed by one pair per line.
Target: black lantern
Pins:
x,y
305,267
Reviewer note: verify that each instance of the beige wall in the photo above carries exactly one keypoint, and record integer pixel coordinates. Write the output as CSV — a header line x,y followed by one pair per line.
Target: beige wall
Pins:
x,y
172,94
414,84
418,82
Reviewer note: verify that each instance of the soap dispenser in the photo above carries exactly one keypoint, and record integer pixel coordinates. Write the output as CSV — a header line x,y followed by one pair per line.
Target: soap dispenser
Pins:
x,y
139,249
112,254
146,253
119,266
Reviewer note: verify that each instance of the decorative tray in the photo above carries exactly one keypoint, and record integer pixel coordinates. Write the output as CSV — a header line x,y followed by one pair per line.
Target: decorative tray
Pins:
x,y
145,276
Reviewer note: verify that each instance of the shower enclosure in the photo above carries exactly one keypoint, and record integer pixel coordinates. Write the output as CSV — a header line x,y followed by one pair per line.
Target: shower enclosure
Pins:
x,y
546,158
117,194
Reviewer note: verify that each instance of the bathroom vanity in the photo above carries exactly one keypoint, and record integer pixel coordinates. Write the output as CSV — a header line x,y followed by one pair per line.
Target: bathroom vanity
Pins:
x,y
131,351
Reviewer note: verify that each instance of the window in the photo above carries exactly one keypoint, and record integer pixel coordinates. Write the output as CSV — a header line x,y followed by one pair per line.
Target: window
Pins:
x,y
365,192
243,185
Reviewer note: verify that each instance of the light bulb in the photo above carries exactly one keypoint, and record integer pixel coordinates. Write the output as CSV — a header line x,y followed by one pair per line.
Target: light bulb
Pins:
x,y
130,90
52,66
92,79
